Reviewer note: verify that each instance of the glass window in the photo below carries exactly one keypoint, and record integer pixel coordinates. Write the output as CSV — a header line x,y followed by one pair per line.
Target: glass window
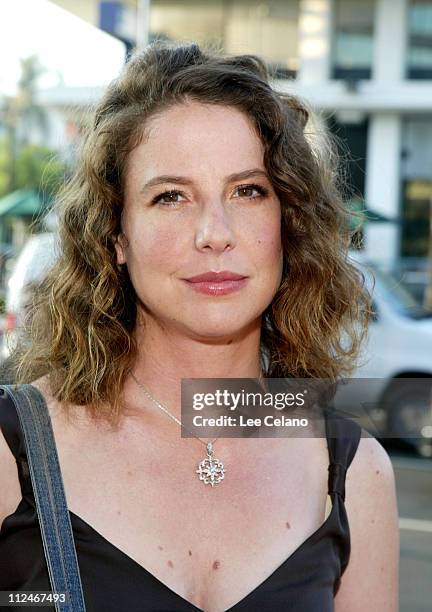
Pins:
x,y
268,29
420,39
353,38
416,175
416,213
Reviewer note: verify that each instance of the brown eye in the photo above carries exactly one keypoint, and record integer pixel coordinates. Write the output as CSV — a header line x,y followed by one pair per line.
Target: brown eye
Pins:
x,y
251,192
247,191
168,198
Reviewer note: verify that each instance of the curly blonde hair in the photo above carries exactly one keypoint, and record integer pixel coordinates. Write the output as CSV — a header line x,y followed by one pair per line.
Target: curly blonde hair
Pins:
x,y
80,331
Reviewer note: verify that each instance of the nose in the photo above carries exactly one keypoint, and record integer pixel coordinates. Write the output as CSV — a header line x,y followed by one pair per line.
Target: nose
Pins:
x,y
214,231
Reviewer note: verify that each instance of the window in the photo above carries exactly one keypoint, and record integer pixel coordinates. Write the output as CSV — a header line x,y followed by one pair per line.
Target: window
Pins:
x,y
416,213
268,29
353,39
419,39
416,175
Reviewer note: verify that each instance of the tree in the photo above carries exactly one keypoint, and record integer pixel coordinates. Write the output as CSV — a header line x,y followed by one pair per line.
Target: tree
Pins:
x,y
20,115
30,114
39,168
35,167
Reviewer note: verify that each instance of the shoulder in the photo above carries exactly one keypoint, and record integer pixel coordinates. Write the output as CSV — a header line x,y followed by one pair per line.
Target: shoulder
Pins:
x,y
43,385
371,468
58,414
371,507
54,407
68,420
370,486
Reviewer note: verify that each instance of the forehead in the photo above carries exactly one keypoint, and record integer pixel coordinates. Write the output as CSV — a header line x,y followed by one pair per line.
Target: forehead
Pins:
x,y
198,135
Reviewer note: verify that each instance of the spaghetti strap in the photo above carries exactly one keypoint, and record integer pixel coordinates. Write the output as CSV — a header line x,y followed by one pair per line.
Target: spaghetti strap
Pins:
x,y
343,437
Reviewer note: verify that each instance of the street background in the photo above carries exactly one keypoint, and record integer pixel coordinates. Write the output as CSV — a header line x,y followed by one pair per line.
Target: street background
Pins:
x,y
365,66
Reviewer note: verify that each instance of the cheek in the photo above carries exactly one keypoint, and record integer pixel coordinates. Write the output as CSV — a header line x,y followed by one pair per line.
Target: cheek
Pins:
x,y
156,247
269,244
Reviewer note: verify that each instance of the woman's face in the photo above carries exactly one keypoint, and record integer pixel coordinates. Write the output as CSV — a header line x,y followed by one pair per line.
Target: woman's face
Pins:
x,y
197,199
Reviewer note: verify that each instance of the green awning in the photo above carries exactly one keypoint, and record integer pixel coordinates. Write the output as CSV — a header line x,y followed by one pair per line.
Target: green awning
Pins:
x,y
20,203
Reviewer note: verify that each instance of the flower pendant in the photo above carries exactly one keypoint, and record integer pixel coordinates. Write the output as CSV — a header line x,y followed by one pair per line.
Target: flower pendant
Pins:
x,y
211,471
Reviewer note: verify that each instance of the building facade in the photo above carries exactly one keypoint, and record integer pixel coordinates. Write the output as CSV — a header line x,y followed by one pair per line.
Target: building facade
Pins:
x,y
364,65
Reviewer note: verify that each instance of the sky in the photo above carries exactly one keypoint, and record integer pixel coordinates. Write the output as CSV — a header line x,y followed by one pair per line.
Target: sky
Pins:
x,y
67,46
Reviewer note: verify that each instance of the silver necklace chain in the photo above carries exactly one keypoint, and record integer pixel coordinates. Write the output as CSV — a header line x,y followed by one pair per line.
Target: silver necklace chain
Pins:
x,y
210,470
167,411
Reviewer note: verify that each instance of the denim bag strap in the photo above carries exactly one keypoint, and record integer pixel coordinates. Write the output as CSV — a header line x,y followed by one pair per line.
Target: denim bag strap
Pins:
x,y
51,506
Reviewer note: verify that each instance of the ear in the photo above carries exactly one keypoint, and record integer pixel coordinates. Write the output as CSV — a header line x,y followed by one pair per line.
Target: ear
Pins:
x,y
120,245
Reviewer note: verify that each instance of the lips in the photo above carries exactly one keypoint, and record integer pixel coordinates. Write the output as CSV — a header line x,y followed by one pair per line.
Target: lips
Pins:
x,y
215,277
217,283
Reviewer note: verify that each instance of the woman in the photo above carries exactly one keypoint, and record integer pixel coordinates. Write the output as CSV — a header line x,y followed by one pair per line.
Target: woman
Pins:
x,y
193,166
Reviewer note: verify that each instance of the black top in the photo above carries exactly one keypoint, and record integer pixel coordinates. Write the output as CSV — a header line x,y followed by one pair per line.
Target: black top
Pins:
x,y
305,582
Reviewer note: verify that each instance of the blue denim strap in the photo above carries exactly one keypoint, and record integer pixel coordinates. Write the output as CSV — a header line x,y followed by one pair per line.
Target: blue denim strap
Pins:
x,y
51,506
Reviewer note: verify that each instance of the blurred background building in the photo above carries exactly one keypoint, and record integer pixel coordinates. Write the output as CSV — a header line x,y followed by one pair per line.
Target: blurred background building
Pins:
x,y
365,64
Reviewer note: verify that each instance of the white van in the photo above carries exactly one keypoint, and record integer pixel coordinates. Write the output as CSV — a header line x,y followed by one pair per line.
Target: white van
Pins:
x,y
35,258
397,360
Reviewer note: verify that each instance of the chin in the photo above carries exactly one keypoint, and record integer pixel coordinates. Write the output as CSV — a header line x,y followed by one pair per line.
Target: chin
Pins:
x,y
223,329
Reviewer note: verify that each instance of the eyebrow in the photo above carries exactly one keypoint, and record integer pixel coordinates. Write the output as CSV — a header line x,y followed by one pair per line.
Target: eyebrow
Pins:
x,y
183,180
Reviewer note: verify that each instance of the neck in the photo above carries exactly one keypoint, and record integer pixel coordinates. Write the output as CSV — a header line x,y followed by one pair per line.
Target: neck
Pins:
x,y
163,360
